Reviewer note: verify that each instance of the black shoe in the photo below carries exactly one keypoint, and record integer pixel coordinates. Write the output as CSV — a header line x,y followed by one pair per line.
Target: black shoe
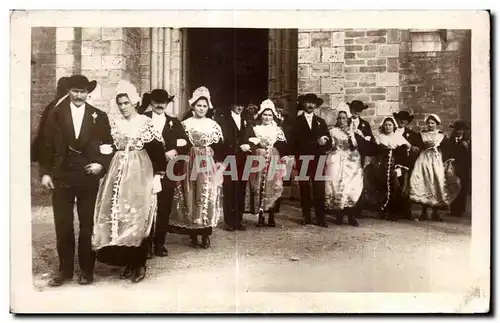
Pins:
x,y
270,221
205,242
139,274
306,222
436,217
241,228
86,279
230,229
261,222
322,224
339,220
161,251
352,221
126,272
194,242
59,279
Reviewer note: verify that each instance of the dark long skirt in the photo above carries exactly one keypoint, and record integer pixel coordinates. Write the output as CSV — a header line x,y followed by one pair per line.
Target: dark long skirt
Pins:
x,y
124,256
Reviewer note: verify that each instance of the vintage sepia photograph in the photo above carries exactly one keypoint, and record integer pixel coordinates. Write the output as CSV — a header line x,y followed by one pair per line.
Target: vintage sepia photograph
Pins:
x,y
220,162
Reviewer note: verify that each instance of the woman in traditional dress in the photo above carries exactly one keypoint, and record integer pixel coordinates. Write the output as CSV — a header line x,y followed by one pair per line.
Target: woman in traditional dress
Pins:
x,y
344,183
197,204
266,141
382,187
433,181
126,201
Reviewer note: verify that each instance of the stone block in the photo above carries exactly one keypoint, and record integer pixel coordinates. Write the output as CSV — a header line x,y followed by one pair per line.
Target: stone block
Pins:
x,y
349,41
393,36
388,79
371,40
388,50
65,34
338,38
321,39
329,85
337,69
309,55
304,40
385,108
354,62
392,93
92,62
353,91
350,84
371,47
64,47
366,54
354,34
116,47
361,77
309,85
334,54
378,97
114,62
375,90
353,48
349,55
113,34
145,45
372,69
392,65
65,60
144,59
320,70
304,71
380,61
351,69
378,32
91,33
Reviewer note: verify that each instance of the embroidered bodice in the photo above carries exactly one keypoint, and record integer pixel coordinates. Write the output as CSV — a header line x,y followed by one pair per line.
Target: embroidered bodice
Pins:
x,y
202,132
269,134
133,134
432,139
340,138
391,141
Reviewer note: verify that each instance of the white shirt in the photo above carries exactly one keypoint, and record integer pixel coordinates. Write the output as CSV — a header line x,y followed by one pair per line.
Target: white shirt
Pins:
x,y
355,122
159,121
309,118
400,131
77,116
237,119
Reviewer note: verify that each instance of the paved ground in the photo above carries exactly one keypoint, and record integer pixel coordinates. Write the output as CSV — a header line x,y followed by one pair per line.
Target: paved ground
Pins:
x,y
379,256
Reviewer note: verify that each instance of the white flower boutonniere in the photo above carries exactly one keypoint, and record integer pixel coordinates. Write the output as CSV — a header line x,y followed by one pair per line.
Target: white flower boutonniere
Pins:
x,y
171,124
94,116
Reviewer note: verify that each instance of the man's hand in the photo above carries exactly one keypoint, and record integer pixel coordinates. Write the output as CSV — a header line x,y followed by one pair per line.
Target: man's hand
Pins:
x,y
171,154
359,132
245,147
322,141
47,182
93,169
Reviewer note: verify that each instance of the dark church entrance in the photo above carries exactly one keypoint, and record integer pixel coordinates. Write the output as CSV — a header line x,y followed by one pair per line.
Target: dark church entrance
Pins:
x,y
231,63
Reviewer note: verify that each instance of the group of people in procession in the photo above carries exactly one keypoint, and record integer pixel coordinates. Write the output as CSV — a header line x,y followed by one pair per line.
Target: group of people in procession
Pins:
x,y
136,173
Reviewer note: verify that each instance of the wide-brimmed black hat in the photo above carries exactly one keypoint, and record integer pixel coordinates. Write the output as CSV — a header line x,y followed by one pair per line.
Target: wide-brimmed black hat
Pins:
x,y
81,82
310,97
160,96
460,125
357,106
403,115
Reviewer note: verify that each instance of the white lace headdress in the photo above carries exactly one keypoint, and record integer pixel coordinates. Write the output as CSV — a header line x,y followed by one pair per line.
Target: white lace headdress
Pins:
x,y
130,90
199,93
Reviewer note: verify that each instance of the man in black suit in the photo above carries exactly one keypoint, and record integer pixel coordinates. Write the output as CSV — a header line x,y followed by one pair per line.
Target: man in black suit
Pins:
x,y
233,125
61,94
363,129
311,140
460,150
176,143
403,118
76,153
